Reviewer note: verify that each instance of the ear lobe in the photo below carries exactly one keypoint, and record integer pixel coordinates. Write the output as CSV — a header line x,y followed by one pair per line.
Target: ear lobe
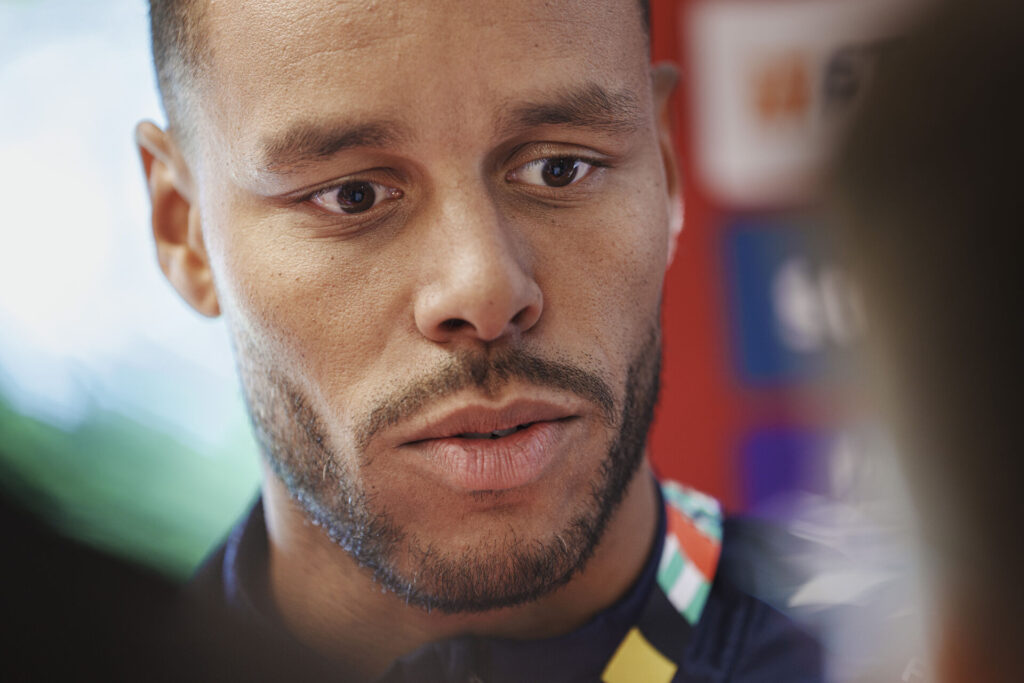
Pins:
x,y
665,78
176,225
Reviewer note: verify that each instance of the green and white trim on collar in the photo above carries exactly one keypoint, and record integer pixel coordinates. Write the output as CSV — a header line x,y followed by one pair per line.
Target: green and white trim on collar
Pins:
x,y
689,558
693,542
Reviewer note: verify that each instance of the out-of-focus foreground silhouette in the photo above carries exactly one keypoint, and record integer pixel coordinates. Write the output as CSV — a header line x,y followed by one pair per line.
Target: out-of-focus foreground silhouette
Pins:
x,y
930,206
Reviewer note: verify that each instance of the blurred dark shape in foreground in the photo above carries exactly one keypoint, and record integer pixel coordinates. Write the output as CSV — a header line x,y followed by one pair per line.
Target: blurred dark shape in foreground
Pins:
x,y
71,612
931,206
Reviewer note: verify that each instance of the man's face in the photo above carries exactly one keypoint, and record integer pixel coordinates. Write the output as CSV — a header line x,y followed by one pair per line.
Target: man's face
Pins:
x,y
438,232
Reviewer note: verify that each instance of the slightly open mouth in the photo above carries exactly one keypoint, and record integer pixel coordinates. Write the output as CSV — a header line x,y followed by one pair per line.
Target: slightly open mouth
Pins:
x,y
493,460
495,434
492,435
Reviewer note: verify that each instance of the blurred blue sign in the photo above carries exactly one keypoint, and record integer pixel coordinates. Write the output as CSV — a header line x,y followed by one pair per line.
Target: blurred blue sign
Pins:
x,y
779,461
790,307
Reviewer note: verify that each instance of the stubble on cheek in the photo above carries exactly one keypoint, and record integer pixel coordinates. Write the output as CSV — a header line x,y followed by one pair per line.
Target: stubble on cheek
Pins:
x,y
502,571
296,443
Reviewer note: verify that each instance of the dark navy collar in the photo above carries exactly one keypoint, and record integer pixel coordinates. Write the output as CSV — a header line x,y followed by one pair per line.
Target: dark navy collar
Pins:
x,y
579,655
682,621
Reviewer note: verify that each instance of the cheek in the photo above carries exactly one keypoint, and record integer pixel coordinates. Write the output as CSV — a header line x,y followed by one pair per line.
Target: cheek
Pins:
x,y
310,307
602,277
336,315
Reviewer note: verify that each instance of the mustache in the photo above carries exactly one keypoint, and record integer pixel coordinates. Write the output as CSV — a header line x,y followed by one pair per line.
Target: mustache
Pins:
x,y
487,373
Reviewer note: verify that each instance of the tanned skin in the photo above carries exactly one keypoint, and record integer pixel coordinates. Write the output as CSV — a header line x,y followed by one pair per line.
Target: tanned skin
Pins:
x,y
451,114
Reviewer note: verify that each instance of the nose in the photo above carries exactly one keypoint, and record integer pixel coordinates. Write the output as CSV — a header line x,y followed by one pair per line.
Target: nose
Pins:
x,y
479,285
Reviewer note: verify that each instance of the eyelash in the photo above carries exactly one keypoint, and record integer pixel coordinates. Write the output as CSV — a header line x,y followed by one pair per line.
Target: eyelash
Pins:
x,y
386,193
381,193
593,165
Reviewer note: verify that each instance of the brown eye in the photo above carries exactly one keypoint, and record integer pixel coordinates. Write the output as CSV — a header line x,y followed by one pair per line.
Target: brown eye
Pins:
x,y
560,172
356,197
553,171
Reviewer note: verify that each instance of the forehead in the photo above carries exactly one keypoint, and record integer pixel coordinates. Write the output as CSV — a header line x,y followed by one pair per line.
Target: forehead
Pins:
x,y
432,65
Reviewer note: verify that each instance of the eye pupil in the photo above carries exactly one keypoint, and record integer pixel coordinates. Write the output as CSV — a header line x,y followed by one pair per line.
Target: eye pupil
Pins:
x,y
560,172
356,197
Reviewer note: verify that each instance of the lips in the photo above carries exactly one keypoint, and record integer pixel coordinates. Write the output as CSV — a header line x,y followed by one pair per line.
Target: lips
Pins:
x,y
480,422
497,434
479,448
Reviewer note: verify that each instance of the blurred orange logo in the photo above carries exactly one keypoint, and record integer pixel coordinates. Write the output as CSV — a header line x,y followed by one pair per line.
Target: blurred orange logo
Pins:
x,y
781,89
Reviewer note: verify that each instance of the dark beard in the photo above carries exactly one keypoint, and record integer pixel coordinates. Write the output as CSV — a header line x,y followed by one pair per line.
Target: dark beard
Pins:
x,y
508,571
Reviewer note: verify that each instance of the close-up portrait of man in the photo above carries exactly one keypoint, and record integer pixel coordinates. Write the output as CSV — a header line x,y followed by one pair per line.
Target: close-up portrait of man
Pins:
x,y
437,233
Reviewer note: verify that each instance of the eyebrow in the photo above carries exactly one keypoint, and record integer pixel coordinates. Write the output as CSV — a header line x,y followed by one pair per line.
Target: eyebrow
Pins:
x,y
590,106
310,141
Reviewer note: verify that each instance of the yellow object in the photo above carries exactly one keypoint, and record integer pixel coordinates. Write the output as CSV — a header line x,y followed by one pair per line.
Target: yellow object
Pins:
x,y
636,661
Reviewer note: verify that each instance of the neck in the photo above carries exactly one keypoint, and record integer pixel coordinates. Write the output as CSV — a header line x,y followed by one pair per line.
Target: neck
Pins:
x,y
334,606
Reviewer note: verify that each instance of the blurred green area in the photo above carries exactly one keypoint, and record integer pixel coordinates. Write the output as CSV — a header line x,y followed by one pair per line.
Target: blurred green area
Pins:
x,y
128,488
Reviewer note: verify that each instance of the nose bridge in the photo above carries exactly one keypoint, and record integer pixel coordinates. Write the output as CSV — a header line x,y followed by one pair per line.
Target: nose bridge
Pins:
x,y
479,282
471,225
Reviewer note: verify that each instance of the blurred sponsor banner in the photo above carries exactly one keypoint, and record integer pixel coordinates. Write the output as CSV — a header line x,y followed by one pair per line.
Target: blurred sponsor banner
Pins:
x,y
761,323
794,311
758,316
780,460
773,83
785,464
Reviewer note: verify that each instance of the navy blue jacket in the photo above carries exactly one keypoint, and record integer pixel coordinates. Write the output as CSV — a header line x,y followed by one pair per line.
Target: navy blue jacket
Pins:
x,y
683,620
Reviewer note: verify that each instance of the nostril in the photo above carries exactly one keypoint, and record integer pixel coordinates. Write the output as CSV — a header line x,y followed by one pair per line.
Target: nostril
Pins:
x,y
453,324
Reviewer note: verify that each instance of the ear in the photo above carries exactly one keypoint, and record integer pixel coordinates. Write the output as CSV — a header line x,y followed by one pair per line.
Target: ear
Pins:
x,y
665,77
175,219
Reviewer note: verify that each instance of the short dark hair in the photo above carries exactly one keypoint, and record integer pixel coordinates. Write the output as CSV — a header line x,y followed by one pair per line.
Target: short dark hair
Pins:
x,y
179,48
176,34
